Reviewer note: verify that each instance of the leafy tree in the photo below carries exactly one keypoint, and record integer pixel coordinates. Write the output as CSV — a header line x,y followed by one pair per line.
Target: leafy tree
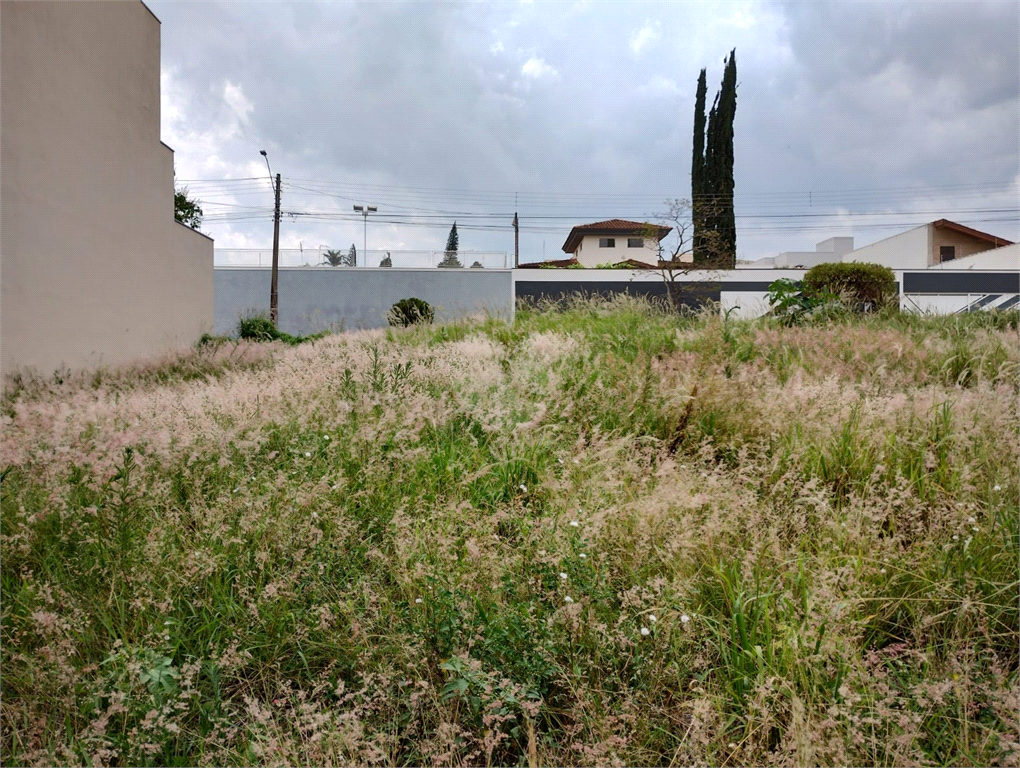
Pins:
x,y
334,258
452,243
712,172
352,257
677,255
187,211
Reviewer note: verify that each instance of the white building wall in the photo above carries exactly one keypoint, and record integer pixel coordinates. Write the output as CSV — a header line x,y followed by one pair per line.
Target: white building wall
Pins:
x,y
1003,259
804,259
907,250
590,254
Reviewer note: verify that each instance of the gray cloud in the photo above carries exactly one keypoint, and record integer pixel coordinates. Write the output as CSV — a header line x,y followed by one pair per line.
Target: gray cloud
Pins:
x,y
410,96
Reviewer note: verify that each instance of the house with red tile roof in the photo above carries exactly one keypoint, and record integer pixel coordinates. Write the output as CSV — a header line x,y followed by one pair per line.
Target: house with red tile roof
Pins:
x,y
615,241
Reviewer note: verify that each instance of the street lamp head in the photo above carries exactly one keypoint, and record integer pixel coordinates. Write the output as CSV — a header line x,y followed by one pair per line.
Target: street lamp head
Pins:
x,y
358,208
263,153
372,209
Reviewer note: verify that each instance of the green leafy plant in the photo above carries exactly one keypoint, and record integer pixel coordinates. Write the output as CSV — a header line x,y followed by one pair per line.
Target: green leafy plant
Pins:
x,y
410,312
791,301
867,286
258,327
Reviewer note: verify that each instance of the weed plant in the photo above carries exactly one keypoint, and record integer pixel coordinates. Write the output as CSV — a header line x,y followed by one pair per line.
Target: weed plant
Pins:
x,y
603,535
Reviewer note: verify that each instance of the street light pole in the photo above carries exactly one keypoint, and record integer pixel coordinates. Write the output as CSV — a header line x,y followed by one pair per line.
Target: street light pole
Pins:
x,y
364,210
274,311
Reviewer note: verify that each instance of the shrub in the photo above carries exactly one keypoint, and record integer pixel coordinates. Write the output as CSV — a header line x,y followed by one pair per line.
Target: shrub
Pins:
x,y
257,328
865,283
410,311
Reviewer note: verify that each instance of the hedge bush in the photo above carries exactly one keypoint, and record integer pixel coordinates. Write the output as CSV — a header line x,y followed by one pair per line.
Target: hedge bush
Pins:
x,y
865,283
410,311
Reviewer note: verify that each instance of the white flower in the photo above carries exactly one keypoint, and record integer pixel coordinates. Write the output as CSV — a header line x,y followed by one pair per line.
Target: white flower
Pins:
x,y
568,599
731,745
971,519
583,556
975,528
308,455
574,524
236,490
881,570
684,618
523,487
325,437
645,631
418,600
563,576
997,488
651,618
315,515
166,637
559,461
956,537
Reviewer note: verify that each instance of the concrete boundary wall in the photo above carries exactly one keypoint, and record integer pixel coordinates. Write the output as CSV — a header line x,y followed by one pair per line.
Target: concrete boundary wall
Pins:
x,y
313,299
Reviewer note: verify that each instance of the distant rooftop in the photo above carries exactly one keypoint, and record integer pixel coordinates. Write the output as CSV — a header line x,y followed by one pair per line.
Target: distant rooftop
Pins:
x,y
613,227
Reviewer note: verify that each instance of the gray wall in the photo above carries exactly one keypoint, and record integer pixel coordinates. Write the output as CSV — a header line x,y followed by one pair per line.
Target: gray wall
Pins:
x,y
318,298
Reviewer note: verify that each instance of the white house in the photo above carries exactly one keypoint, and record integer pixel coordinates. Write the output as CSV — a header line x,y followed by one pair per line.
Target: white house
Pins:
x,y
927,246
829,250
1004,259
615,241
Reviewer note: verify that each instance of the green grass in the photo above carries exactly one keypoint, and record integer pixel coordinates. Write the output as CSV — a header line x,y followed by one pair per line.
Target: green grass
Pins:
x,y
446,544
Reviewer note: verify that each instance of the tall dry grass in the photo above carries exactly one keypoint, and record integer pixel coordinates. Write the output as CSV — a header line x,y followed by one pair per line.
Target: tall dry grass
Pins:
x,y
603,535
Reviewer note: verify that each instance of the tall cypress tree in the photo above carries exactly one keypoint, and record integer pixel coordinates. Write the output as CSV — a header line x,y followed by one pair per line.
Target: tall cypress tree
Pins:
x,y
698,171
715,233
727,226
452,241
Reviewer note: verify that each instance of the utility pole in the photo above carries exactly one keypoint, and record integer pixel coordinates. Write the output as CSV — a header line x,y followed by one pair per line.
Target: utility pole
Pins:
x,y
274,280
274,310
517,235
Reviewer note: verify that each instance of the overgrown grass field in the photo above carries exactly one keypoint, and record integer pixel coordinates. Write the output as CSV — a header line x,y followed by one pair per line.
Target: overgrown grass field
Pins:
x,y
603,535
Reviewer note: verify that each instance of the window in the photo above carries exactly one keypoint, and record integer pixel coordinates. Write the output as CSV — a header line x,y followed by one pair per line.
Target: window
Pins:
x,y
607,242
635,242
947,252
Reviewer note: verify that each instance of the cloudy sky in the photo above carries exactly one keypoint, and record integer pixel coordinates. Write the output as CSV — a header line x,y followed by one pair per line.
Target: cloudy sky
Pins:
x,y
858,118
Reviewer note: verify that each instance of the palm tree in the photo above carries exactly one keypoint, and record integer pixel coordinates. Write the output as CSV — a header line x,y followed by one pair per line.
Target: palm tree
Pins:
x,y
334,258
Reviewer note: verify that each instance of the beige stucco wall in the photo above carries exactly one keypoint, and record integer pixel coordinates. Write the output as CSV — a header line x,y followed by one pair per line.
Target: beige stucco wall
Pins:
x,y
966,245
93,268
589,253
